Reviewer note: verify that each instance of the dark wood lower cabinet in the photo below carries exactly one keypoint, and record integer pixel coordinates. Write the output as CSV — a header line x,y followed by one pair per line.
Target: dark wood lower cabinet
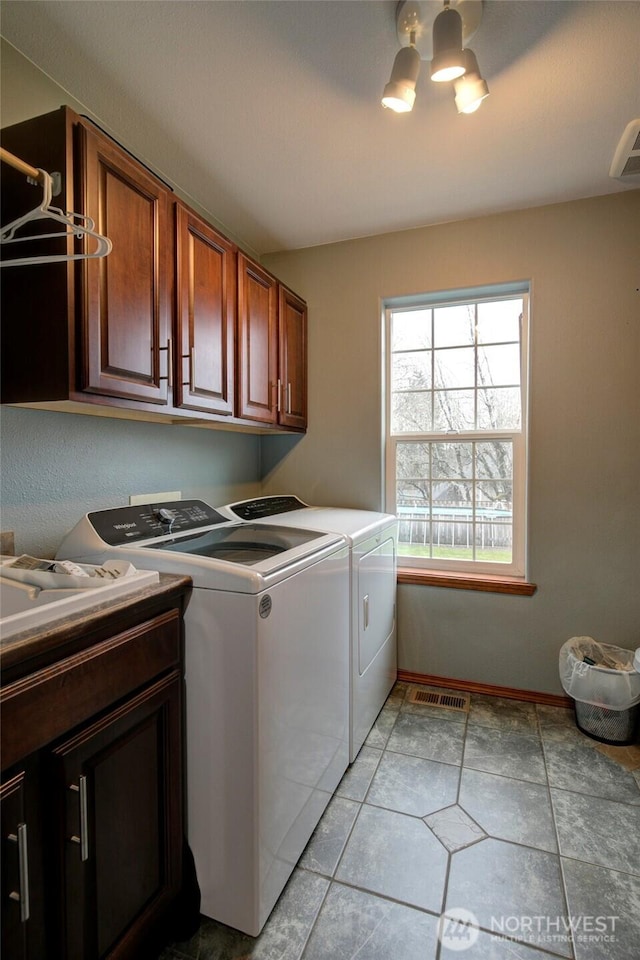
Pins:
x,y
92,818
117,787
23,925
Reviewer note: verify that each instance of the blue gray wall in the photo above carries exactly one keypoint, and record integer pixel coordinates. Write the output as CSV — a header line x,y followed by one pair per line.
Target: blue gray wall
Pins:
x,y
58,466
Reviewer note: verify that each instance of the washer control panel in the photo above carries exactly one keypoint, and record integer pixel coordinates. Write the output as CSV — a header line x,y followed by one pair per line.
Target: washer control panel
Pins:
x,y
130,524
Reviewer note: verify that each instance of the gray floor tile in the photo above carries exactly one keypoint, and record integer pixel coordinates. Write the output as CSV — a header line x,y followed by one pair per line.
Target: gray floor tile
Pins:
x,y
507,754
353,924
511,875
428,737
595,892
398,692
355,783
598,831
484,946
413,785
578,767
500,713
509,809
379,733
505,885
330,836
559,723
454,828
396,856
283,937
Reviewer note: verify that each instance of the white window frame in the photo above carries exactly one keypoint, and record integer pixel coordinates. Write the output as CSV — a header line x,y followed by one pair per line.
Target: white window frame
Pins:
x,y
519,438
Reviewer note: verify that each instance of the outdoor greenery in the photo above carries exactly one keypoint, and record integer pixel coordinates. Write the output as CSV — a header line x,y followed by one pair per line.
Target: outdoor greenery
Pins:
x,y
491,555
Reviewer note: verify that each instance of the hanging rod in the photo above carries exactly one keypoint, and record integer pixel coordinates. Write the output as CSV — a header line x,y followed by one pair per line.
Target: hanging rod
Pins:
x,y
78,225
31,172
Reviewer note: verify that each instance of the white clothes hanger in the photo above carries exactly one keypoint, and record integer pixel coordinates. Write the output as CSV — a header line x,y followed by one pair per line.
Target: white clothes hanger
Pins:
x,y
77,225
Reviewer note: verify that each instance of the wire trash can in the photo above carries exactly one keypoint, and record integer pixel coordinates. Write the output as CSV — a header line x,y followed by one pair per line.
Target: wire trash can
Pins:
x,y
604,682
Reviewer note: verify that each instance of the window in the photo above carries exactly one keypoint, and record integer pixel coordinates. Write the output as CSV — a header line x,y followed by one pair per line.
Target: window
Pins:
x,y
456,429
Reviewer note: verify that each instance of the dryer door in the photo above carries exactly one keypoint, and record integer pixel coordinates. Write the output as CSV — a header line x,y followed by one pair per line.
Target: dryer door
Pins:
x,y
376,598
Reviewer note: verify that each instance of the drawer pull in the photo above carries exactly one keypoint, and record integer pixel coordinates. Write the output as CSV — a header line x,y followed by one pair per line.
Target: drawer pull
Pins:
x,y
21,895
81,789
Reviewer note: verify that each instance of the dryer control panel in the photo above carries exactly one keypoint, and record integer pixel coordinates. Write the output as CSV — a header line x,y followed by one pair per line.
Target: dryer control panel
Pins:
x,y
266,507
130,524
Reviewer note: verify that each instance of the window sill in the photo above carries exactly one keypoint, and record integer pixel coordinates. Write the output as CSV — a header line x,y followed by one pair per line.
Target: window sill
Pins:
x,y
466,581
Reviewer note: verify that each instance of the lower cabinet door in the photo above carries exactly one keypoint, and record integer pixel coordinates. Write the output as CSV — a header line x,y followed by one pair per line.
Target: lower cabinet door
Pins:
x,y
23,923
119,824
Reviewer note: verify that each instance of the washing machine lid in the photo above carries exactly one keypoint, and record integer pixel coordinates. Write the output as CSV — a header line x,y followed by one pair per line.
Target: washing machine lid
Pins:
x,y
244,543
356,525
190,537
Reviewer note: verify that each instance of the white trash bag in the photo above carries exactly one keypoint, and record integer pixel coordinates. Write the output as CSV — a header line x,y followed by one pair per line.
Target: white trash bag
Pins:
x,y
599,673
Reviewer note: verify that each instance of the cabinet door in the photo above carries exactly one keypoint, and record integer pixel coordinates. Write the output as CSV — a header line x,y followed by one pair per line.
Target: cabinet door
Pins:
x,y
206,296
124,309
118,783
292,355
23,929
257,342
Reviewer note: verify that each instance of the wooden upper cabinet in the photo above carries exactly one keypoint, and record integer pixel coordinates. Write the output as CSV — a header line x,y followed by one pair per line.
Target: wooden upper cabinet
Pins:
x,y
257,342
173,323
206,307
292,359
126,297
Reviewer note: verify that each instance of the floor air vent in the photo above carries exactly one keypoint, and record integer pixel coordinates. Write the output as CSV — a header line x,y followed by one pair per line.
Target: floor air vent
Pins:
x,y
436,698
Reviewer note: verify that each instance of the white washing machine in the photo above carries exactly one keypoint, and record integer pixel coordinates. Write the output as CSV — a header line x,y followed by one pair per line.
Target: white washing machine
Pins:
x,y
372,539
267,686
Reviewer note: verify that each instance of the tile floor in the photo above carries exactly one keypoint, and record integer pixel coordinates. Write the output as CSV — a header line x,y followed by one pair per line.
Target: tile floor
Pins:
x,y
508,813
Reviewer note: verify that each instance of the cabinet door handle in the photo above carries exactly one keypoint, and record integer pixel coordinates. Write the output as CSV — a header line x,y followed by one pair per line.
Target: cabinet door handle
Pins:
x,y
81,789
289,398
279,395
192,369
22,894
169,349
365,611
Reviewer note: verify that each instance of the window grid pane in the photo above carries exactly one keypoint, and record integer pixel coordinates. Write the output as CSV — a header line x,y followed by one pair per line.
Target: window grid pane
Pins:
x,y
447,506
474,379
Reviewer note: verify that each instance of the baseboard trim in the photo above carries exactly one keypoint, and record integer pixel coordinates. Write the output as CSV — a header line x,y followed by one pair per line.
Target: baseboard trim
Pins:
x,y
490,689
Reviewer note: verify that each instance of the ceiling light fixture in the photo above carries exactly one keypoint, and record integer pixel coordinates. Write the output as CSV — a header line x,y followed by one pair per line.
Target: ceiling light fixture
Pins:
x,y
400,93
470,89
448,57
428,31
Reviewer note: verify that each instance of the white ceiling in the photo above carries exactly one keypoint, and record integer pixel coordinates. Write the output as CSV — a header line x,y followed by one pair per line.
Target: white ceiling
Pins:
x,y
268,112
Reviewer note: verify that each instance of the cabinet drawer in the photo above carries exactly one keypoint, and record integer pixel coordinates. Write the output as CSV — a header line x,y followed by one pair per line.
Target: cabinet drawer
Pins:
x,y
49,702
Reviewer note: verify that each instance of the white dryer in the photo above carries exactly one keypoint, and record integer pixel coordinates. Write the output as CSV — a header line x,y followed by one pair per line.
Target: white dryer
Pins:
x,y
267,686
372,539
